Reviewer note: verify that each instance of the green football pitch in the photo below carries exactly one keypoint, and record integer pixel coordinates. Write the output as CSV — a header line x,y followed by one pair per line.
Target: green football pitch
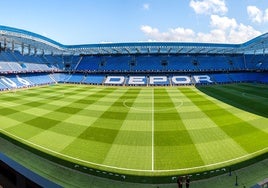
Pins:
x,y
144,131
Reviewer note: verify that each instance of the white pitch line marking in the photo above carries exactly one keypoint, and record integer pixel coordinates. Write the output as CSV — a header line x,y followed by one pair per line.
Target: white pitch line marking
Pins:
x,y
179,103
136,170
152,129
248,95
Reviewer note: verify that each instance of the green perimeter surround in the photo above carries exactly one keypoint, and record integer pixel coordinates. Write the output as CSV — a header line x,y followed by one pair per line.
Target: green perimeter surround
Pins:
x,y
135,113
69,178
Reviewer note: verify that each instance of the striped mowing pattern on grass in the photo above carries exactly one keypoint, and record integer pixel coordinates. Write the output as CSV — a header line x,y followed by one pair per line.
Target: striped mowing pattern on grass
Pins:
x,y
141,131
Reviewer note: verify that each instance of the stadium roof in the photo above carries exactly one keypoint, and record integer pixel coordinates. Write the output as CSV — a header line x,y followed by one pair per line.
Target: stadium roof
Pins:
x,y
35,41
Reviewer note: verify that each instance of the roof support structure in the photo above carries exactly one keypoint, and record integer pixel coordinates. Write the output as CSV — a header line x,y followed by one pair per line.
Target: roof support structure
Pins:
x,y
17,39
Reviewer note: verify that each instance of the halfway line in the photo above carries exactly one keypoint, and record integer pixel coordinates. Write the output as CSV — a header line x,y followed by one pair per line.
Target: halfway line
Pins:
x,y
152,129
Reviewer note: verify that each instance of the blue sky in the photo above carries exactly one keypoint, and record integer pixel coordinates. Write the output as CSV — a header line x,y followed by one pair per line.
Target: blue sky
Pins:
x,y
98,21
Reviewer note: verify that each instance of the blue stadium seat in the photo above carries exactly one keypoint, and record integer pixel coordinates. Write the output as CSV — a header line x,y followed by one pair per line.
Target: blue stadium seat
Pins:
x,y
94,79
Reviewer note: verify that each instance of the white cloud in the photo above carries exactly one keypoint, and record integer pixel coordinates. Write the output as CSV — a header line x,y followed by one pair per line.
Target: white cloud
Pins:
x,y
242,33
180,34
257,15
215,36
222,23
223,30
209,6
148,30
173,34
265,18
146,6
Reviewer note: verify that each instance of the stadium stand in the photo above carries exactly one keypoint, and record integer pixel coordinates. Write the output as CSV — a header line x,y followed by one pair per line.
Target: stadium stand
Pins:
x,y
221,78
60,77
75,78
127,64
93,79
166,63
39,79
220,69
88,63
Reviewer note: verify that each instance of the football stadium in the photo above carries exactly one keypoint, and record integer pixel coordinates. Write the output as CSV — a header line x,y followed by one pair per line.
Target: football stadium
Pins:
x,y
145,112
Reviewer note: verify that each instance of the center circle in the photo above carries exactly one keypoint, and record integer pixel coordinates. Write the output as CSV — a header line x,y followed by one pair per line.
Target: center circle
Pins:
x,y
145,104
